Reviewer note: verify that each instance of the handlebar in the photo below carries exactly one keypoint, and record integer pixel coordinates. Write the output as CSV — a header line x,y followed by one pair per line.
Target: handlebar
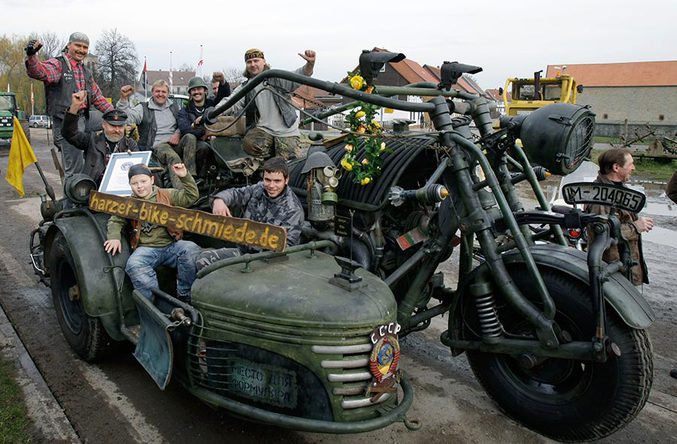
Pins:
x,y
331,87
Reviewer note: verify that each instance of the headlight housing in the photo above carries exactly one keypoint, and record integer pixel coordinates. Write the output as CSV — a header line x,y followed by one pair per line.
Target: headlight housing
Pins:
x,y
77,188
557,137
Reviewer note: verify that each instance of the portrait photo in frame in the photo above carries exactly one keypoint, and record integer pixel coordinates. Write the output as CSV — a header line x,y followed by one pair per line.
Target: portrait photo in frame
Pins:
x,y
115,180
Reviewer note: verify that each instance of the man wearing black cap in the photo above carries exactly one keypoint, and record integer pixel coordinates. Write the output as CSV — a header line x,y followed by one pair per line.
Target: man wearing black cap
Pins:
x,y
63,76
272,122
97,146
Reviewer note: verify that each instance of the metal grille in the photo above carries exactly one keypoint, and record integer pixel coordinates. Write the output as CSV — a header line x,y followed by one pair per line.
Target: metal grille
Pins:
x,y
580,144
349,374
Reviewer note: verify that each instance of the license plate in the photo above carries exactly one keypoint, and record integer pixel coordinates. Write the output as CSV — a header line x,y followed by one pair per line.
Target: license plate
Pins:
x,y
603,194
264,383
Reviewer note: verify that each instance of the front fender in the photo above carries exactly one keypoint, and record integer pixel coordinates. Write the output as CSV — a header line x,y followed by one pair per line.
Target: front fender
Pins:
x,y
98,273
619,293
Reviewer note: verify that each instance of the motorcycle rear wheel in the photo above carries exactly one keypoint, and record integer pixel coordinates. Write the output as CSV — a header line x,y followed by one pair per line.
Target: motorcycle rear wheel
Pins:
x,y
565,399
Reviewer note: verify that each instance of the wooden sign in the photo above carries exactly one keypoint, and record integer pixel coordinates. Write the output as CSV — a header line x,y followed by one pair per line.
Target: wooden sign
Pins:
x,y
231,229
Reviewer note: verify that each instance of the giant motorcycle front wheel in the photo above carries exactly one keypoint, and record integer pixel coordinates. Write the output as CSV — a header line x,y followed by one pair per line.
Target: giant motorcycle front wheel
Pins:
x,y
564,399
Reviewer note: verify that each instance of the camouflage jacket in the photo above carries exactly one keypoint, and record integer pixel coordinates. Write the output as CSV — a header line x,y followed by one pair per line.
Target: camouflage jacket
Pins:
x,y
153,235
284,210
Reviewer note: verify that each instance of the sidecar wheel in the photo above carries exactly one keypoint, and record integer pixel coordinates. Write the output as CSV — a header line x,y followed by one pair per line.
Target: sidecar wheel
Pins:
x,y
565,399
84,333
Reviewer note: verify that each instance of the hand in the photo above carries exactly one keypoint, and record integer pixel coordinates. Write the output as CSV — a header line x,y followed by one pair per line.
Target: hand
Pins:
x,y
112,246
126,91
220,208
180,169
174,139
33,47
79,98
218,77
644,224
308,56
197,122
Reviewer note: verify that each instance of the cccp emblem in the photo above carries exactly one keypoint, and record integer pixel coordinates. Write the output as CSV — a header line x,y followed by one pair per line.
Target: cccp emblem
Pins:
x,y
384,358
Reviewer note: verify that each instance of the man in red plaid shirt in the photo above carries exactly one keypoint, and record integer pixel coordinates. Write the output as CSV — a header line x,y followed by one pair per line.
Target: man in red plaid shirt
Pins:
x,y
63,76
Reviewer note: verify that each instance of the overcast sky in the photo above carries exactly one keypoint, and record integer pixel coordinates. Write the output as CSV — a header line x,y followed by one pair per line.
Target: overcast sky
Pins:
x,y
506,38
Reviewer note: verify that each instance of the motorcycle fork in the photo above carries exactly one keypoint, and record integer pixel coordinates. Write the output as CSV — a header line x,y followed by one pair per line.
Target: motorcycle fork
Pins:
x,y
478,221
598,274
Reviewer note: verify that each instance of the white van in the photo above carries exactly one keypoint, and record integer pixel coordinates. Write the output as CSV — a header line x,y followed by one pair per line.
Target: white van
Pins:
x,y
39,121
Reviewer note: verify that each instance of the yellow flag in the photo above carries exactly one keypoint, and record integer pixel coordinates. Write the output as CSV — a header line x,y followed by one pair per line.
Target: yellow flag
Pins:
x,y
21,155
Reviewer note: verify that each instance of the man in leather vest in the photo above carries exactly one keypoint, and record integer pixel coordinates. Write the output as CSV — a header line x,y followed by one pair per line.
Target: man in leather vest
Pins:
x,y
272,122
156,245
97,146
158,126
194,136
63,76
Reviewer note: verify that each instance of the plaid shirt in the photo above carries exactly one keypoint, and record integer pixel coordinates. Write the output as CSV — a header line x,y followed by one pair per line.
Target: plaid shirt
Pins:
x,y
49,72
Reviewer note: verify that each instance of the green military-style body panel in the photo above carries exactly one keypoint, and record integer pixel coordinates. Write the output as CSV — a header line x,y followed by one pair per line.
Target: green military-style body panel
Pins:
x,y
286,311
633,309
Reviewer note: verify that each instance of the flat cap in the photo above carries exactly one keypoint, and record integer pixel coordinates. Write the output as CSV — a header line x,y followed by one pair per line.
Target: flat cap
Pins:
x,y
115,117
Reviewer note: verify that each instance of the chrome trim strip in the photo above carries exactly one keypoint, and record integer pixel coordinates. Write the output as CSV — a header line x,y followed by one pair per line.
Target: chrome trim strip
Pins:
x,y
349,377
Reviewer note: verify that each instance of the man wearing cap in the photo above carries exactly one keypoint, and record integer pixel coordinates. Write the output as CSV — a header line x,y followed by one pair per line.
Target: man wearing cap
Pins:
x,y
272,122
97,146
63,76
155,245
193,134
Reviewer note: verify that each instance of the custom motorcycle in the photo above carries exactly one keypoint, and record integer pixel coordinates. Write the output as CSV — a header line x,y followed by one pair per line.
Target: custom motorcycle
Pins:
x,y
556,337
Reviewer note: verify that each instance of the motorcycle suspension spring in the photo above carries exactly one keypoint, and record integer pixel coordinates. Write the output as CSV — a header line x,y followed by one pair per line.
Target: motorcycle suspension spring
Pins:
x,y
486,311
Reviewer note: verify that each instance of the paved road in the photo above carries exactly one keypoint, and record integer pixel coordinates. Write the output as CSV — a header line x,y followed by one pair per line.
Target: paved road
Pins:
x,y
115,401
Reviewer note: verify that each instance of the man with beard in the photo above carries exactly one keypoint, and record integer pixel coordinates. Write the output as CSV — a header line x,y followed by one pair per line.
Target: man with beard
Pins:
x,y
97,146
194,136
63,76
272,122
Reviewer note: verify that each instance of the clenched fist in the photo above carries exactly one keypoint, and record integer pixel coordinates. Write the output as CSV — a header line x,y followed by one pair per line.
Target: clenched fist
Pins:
x,y
33,47
126,91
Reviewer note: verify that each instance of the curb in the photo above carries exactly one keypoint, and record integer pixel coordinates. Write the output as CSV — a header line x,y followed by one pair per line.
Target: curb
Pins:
x,y
45,412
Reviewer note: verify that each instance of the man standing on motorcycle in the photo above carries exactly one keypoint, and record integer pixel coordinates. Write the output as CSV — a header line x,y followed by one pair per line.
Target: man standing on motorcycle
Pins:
x,y
272,122
615,167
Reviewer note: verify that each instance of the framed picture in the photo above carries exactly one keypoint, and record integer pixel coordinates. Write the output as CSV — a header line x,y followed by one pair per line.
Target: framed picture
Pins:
x,y
115,180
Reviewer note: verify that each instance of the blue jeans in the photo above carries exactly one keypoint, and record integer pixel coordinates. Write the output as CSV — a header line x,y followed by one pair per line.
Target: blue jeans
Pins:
x,y
181,255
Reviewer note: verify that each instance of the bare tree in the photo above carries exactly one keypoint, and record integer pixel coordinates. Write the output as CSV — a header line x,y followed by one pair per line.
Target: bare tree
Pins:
x,y
234,75
117,62
52,45
186,68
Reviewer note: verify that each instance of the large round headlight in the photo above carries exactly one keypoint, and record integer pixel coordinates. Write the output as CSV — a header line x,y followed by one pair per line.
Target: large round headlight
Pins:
x,y
557,137
77,188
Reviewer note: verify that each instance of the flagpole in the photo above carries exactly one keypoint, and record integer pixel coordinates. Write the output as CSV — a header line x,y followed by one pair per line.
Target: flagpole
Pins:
x,y
200,63
145,78
171,81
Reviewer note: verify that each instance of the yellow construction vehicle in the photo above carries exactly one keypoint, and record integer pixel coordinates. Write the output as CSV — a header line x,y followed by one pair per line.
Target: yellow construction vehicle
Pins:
x,y
526,95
